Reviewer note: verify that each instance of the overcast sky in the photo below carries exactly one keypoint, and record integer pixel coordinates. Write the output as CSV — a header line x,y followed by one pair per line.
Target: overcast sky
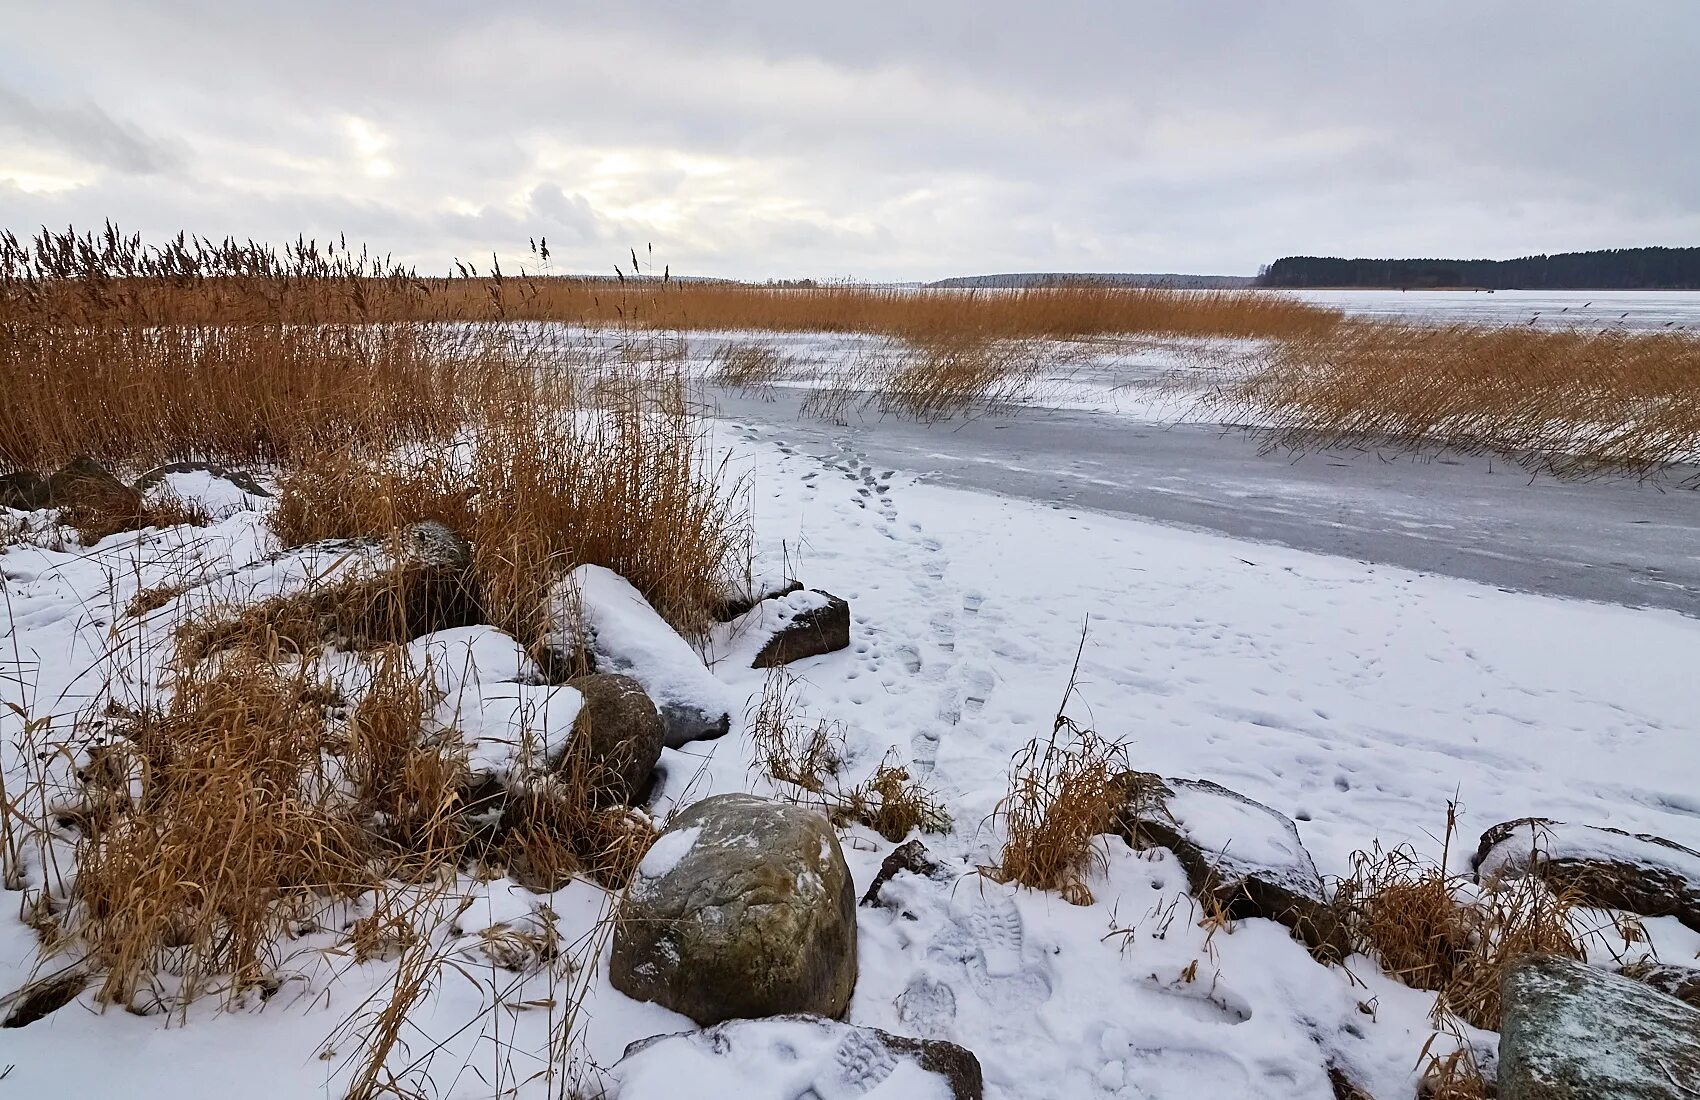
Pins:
x,y
906,140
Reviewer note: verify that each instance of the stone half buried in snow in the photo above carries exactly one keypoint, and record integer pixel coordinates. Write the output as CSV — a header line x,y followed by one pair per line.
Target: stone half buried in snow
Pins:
x,y
1244,855
1574,1032
782,629
596,612
1681,982
214,488
743,908
789,1057
1605,868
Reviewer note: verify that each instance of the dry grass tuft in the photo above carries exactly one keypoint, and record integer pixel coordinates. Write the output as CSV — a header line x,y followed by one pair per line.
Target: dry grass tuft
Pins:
x,y
1434,930
1064,791
747,366
891,803
789,747
548,474
228,835
807,756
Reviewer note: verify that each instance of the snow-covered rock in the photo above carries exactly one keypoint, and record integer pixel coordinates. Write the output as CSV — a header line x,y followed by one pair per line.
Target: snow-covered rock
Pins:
x,y
743,907
597,609
795,1056
1681,982
1608,868
1572,1030
782,629
215,489
1246,856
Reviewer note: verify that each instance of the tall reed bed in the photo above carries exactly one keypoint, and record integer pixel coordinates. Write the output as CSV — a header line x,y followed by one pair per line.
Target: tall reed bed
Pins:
x,y
97,278
1573,401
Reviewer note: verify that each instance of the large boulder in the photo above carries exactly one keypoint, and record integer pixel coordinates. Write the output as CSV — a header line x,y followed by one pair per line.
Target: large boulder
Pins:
x,y
596,613
1605,868
1245,856
620,732
1574,1032
795,1056
744,907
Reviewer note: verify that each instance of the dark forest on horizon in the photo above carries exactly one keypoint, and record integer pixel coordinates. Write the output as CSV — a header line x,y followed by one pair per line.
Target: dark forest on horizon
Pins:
x,y
1607,269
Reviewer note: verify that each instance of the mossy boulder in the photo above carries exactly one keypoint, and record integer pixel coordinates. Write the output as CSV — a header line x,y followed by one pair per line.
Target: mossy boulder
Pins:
x,y
619,732
1574,1032
743,908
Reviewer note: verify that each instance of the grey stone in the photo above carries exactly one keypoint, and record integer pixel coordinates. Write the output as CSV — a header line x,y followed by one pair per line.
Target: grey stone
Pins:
x,y
1574,1032
804,624
242,479
598,622
85,483
620,732
813,1057
435,544
24,490
743,908
1245,856
911,857
742,597
43,997
1605,868
1681,982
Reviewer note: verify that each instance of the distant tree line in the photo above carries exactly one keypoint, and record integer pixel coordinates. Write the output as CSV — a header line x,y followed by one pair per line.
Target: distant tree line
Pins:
x,y
1608,269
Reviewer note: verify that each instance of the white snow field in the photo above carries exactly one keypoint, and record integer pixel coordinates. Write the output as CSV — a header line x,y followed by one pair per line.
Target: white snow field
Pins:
x,y
1356,698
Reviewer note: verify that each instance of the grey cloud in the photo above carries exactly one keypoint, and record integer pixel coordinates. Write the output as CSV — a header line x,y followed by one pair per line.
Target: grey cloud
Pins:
x,y
756,137
86,131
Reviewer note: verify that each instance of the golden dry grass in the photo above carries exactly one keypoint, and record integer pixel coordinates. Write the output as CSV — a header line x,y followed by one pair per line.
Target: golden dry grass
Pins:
x,y
1065,790
1434,930
1573,401
545,475
806,756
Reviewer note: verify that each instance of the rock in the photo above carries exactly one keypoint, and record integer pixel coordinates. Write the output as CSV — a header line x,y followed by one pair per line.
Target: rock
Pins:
x,y
1574,1032
803,1056
353,593
622,730
85,483
911,857
800,625
42,997
746,592
1241,853
23,490
743,908
1681,982
436,545
240,480
596,611
1605,868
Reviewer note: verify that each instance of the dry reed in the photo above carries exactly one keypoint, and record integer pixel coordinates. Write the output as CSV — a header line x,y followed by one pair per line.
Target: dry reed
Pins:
x,y
1065,790
1575,402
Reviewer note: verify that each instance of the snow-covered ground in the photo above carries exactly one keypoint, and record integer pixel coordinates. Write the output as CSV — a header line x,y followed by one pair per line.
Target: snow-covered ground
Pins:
x,y
1357,698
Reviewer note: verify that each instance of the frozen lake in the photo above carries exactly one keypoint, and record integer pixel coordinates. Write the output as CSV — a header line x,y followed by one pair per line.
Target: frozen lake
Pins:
x,y
1633,309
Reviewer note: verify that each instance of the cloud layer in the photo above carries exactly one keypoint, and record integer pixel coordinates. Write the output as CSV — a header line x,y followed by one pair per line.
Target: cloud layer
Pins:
x,y
874,140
